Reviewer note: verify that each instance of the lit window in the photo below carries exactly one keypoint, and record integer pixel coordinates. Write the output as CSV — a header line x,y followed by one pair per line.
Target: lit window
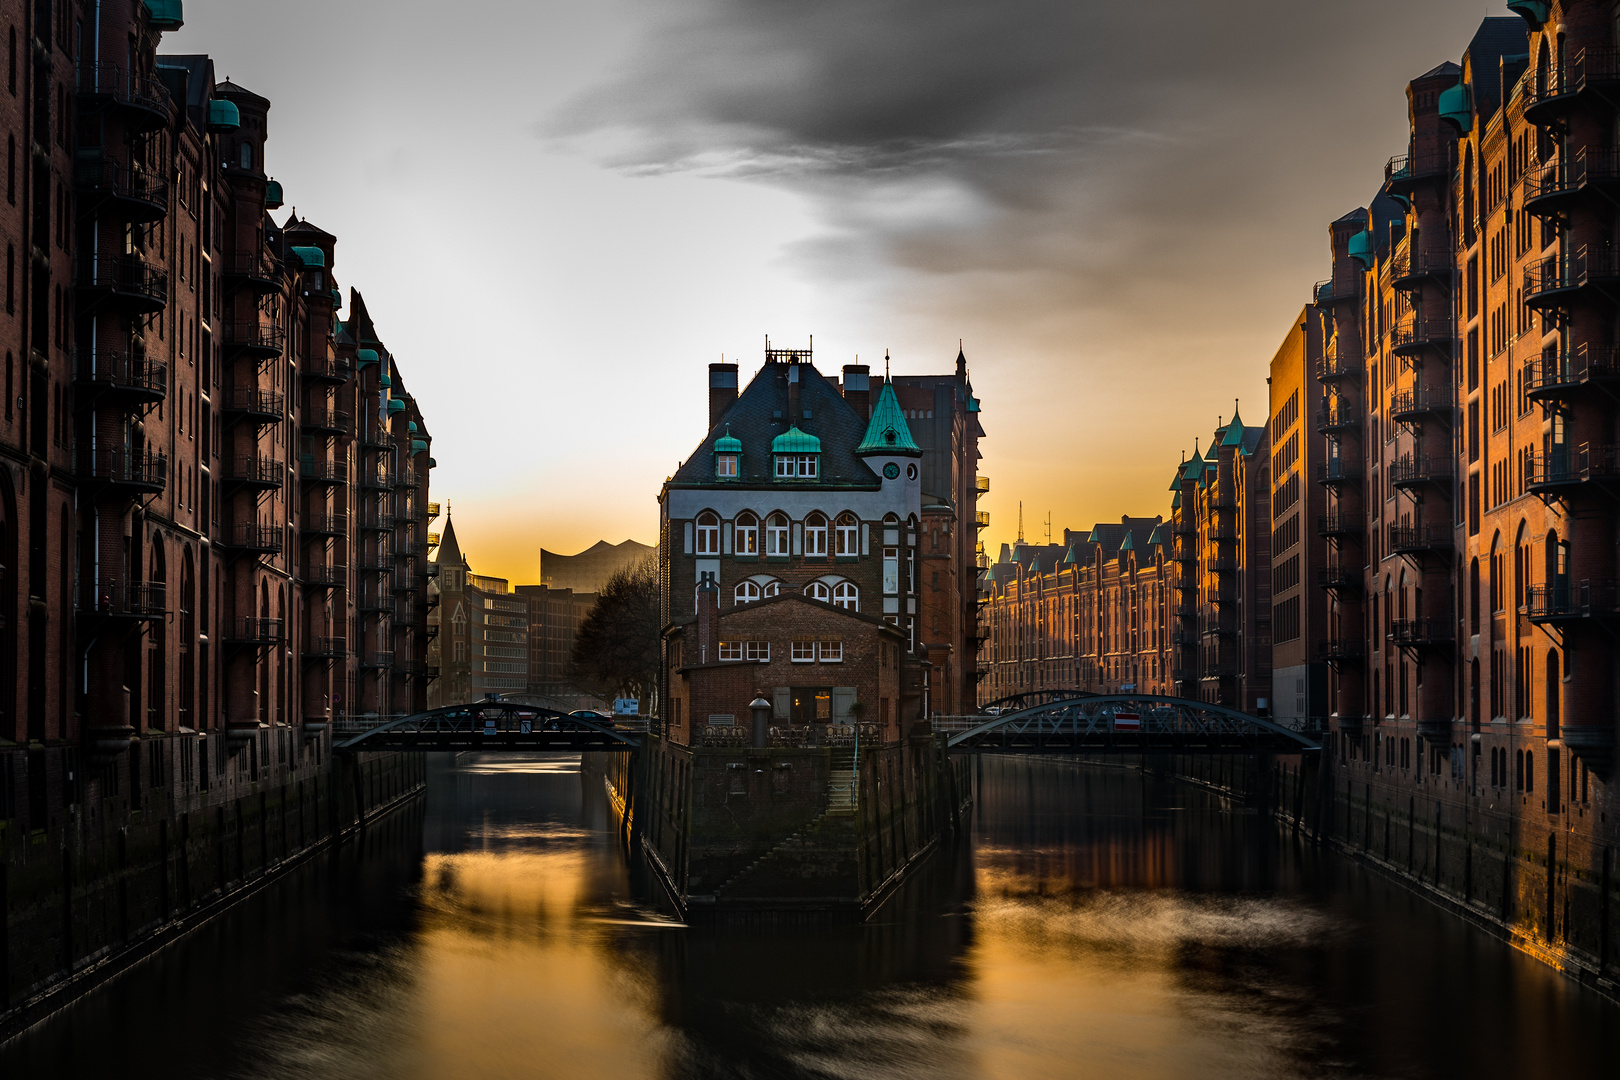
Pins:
x,y
725,466
846,595
731,650
746,592
848,538
817,590
708,534
797,466
832,651
745,535
803,651
776,534
815,537
757,650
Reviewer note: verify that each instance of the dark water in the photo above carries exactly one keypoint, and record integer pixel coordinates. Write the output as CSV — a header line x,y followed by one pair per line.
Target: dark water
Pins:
x,y
1098,927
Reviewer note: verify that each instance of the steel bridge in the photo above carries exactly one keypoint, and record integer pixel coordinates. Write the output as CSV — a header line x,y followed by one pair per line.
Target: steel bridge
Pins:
x,y
492,725
1126,724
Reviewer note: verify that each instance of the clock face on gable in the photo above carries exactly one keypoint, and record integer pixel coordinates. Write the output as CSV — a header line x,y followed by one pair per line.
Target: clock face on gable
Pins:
x,y
891,470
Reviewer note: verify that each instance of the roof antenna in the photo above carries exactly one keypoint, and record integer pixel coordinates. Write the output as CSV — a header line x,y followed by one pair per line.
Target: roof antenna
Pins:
x,y
885,365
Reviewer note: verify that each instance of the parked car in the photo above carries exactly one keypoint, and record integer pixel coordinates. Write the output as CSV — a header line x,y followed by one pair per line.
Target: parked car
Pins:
x,y
593,716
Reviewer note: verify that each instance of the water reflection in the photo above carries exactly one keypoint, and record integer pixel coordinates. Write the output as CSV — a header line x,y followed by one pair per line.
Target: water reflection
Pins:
x,y
1097,923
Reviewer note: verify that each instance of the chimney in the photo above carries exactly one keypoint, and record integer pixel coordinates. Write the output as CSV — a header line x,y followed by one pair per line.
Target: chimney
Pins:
x,y
858,389
793,412
708,615
722,391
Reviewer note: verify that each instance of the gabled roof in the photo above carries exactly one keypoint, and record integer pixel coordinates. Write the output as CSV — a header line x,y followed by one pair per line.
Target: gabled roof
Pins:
x,y
888,433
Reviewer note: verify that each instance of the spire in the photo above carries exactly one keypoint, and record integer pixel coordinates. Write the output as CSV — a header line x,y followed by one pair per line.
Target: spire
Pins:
x,y
1234,430
888,433
449,548
1020,521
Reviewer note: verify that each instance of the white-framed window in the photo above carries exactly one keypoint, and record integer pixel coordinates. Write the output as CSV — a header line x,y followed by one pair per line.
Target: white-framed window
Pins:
x,y
772,588
817,590
708,533
759,651
815,536
848,539
846,595
891,571
745,534
797,466
803,651
725,466
731,650
831,650
776,534
746,592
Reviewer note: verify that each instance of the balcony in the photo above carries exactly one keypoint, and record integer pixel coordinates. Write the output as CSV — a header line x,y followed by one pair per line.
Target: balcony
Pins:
x,y
1564,471
126,281
137,601
260,340
138,471
1338,650
1416,334
433,542
1403,174
1336,365
254,473
981,484
133,377
324,525
1340,525
255,633
141,101
376,480
253,537
981,519
1337,472
1340,416
325,576
1417,404
1421,633
1338,580
1570,601
126,191
250,270
432,510
1411,472
377,521
1555,282
376,562
1329,292
320,471
377,660
325,421
407,548
1592,72
405,478
261,407
412,668
1412,269
1420,539
328,369
1563,377
377,438
326,648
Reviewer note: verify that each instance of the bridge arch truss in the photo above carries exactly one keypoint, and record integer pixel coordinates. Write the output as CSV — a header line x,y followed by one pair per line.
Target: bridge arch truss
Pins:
x,y
1131,724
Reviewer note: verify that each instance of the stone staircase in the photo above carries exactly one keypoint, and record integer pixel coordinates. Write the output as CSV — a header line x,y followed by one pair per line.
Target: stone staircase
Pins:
x,y
841,781
813,859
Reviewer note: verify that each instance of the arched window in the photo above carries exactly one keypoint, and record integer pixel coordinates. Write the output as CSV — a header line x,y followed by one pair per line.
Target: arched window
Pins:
x,y
846,595
815,536
776,534
1473,597
817,590
772,588
848,541
708,533
1521,568
745,534
746,592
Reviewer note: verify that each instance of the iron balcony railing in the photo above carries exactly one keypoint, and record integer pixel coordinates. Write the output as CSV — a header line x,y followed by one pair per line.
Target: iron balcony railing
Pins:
x,y
1341,524
405,478
248,630
143,469
1416,333
1561,273
262,337
252,265
981,518
108,178
378,605
413,668
1336,578
326,648
254,536
123,87
1416,539
331,421
144,600
1565,599
1564,466
254,471
1415,403
1553,181
375,480
981,484
407,549
377,660
1555,374
1337,471
321,471
326,525
324,575
1340,415
1409,267
378,522
331,369
1336,363
266,405
136,374
1411,471
432,509
1545,93
129,276
1405,170
1420,632
1332,291
1340,649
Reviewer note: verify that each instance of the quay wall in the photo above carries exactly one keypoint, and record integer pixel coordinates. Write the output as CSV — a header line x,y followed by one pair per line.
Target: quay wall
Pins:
x,y
103,859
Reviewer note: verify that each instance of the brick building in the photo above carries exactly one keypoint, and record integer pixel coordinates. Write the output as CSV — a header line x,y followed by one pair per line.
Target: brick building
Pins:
x,y
804,494
554,618
212,485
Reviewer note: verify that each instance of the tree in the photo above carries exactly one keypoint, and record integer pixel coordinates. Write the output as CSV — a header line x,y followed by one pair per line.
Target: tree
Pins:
x,y
616,648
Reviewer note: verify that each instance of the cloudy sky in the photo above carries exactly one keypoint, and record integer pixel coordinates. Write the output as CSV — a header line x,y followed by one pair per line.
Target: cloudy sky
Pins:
x,y
561,213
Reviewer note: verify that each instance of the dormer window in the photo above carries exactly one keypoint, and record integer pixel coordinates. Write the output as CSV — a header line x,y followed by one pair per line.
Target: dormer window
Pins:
x,y
725,466
797,466
727,456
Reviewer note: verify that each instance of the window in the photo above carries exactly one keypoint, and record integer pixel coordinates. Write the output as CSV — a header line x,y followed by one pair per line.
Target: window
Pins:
x,y
731,650
746,592
815,536
776,535
797,466
745,535
817,590
725,466
848,538
772,588
846,595
708,534
832,650
803,651
759,651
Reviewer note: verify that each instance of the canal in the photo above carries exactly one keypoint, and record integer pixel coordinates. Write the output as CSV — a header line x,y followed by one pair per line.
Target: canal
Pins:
x,y
1098,924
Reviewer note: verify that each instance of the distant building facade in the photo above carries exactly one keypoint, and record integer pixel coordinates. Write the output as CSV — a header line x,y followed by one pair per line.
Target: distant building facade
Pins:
x,y
588,571
554,616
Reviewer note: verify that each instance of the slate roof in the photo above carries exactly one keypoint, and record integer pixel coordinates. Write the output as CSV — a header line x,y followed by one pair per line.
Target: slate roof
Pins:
x,y
888,433
761,413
